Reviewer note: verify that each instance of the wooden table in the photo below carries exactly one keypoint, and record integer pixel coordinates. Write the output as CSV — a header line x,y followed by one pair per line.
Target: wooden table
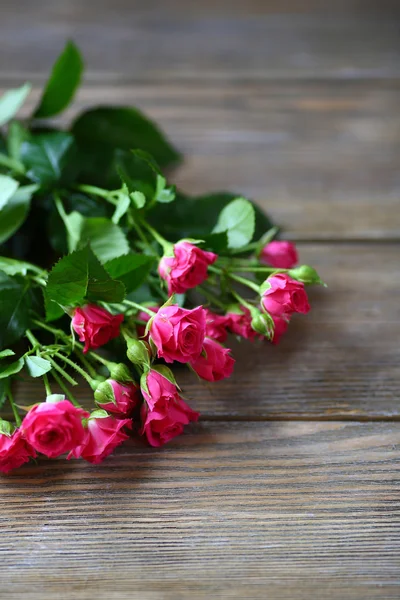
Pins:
x,y
288,486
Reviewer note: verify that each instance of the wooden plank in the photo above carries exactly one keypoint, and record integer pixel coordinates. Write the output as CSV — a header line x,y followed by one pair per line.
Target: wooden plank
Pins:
x,y
129,39
300,149
339,362
230,510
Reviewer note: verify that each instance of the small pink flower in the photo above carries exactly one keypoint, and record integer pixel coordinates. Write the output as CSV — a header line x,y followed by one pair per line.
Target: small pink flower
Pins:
x,y
145,317
280,327
187,268
280,254
95,325
178,333
216,326
54,428
117,398
217,363
164,413
240,324
14,451
284,296
102,436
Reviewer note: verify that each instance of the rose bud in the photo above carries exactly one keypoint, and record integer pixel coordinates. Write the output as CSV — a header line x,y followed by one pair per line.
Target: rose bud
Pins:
x,y
240,322
102,435
214,363
164,413
116,398
121,373
280,327
14,449
216,326
178,333
306,275
138,352
282,296
53,428
145,317
95,325
263,324
279,254
187,268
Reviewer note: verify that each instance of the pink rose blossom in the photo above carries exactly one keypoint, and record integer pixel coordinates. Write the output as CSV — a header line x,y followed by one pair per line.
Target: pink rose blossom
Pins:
x,y
95,325
145,317
285,296
164,413
117,398
14,451
178,333
187,268
217,363
280,327
102,436
216,326
240,324
54,428
280,254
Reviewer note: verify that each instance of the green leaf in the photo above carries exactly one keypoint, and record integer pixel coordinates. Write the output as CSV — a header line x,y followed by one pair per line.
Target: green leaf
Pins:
x,y
131,269
47,155
62,84
79,277
164,194
216,242
15,212
107,240
8,187
124,128
121,208
11,369
138,172
11,102
193,216
238,220
6,352
37,366
17,134
139,199
14,310
11,266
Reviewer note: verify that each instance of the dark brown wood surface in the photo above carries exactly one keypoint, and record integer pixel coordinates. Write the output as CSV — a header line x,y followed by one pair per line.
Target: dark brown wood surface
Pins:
x,y
289,485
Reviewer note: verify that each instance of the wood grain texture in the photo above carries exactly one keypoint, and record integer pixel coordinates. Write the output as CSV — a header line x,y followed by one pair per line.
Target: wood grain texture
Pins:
x,y
231,510
340,361
288,145
175,39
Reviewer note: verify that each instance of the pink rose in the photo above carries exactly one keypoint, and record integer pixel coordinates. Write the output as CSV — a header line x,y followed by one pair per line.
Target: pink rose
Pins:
x,y
54,428
95,325
217,363
117,398
187,268
164,413
284,296
14,451
216,326
103,435
178,333
240,324
280,254
145,317
280,327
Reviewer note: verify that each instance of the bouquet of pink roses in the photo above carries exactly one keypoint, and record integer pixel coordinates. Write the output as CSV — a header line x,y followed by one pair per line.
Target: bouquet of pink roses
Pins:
x,y
109,272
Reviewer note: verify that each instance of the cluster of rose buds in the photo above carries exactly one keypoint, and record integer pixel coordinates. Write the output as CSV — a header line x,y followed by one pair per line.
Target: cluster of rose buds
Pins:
x,y
153,338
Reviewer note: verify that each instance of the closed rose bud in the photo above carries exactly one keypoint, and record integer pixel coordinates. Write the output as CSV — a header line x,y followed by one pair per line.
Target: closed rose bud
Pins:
x,y
279,254
187,268
138,352
116,398
305,274
121,373
263,324
95,325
